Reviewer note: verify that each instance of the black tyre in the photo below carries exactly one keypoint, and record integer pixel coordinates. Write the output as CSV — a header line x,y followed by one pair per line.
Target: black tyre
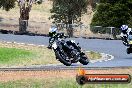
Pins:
x,y
63,58
84,60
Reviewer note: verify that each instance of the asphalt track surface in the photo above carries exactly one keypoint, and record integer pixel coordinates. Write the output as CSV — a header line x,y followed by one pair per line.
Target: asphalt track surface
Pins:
x,y
113,47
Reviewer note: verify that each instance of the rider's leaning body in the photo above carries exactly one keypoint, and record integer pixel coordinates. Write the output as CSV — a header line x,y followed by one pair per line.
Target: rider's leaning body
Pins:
x,y
52,33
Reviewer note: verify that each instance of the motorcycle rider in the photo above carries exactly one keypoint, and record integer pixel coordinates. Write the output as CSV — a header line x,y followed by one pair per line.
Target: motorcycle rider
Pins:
x,y
124,34
52,33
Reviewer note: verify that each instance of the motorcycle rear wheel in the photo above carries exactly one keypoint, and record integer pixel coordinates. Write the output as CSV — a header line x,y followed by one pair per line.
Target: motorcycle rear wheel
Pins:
x,y
84,60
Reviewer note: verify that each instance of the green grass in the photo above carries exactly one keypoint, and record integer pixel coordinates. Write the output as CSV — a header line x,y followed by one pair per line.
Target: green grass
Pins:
x,y
11,56
24,55
56,83
93,55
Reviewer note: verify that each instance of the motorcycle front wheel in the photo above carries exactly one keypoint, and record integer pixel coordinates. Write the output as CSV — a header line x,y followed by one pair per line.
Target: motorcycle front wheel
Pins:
x,y
63,59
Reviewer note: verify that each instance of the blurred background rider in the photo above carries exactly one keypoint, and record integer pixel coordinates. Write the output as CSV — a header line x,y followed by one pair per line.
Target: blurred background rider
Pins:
x,y
125,31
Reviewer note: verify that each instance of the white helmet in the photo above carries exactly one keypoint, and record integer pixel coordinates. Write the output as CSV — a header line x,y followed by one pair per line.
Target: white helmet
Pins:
x,y
124,27
53,29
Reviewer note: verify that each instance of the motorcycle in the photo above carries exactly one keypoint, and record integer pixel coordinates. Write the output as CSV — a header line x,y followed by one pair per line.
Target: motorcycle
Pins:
x,y
129,49
68,52
127,40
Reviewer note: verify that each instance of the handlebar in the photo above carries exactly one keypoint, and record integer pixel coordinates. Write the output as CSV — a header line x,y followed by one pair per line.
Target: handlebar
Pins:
x,y
60,35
